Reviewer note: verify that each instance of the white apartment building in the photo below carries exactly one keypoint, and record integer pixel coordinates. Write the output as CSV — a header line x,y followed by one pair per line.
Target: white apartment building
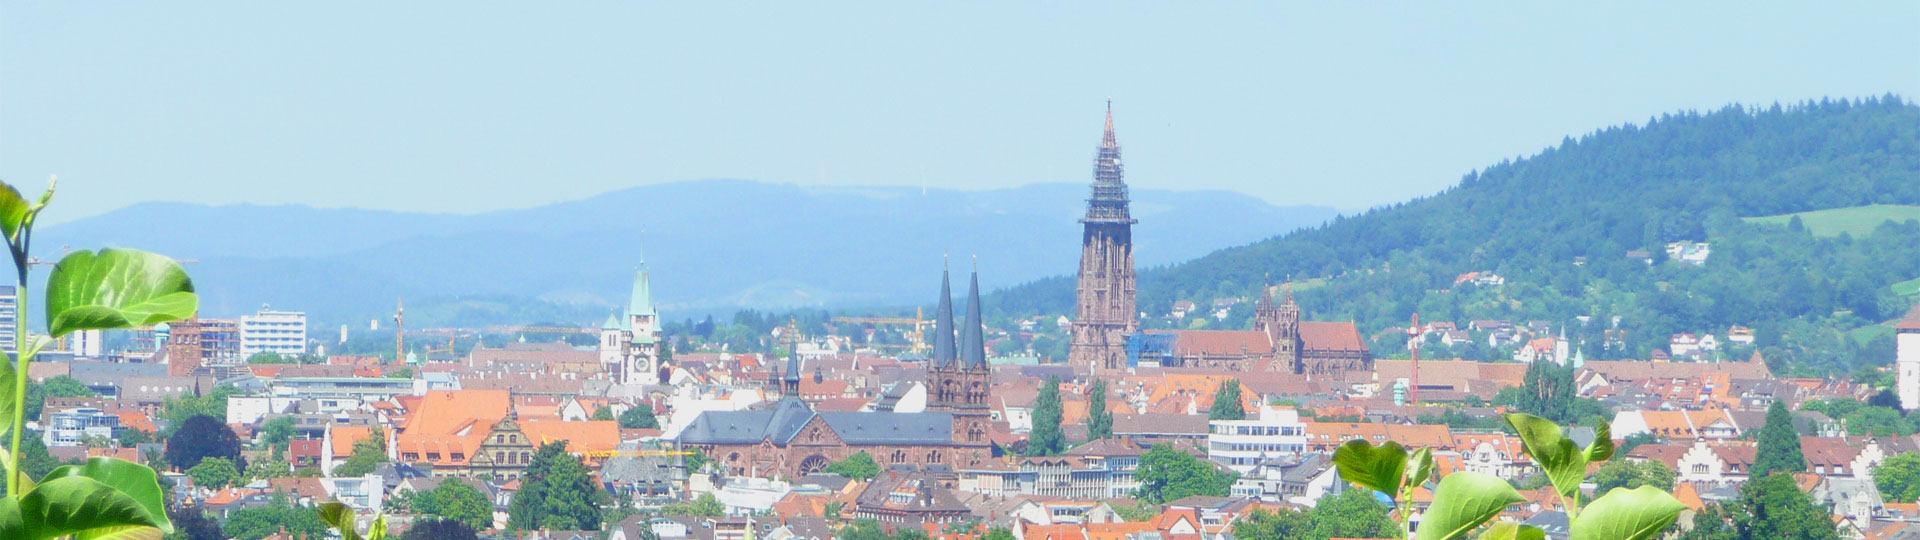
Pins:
x,y
282,332
9,317
1243,444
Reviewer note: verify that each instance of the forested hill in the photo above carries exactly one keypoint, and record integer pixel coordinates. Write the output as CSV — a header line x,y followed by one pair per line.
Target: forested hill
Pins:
x,y
1686,176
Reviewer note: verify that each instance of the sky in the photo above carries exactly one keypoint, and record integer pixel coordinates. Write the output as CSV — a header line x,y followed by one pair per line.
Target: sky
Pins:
x,y
475,106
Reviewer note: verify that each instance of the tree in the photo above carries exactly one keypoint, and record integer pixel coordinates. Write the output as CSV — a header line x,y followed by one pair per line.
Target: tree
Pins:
x,y
367,455
1046,439
1286,524
639,417
130,438
192,524
275,433
214,473
704,506
439,529
1099,419
999,533
1634,441
202,437
1354,513
1899,477
273,467
1779,445
556,492
1715,522
859,466
602,413
260,522
1776,508
269,358
1166,474
178,410
1627,474
1226,402
458,502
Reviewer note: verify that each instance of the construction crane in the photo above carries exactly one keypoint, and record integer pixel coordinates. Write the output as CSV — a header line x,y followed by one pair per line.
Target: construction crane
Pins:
x,y
916,335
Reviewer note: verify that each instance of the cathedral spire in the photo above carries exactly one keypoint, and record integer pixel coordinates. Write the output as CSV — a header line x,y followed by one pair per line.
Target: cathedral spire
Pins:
x,y
973,345
944,351
1108,140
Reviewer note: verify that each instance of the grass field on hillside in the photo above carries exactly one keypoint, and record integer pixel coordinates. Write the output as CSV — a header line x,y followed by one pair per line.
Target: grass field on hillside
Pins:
x,y
1855,220
1865,334
1907,288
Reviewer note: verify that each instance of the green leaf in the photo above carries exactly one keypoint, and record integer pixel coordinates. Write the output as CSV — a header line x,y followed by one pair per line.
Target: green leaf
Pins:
x,y
82,506
1422,463
1562,460
122,533
13,210
1601,449
133,479
378,531
116,288
1380,468
8,403
1463,501
340,517
1513,531
12,524
1628,514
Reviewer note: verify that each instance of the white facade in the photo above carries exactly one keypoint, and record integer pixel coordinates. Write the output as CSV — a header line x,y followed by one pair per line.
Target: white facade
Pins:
x,y
1243,444
280,332
9,317
1908,360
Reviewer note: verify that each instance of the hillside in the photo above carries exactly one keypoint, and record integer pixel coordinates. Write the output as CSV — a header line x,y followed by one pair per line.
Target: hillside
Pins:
x,y
713,245
1557,226
1853,220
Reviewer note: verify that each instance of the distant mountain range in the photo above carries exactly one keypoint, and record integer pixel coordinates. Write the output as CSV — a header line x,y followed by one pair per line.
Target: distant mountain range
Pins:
x,y
712,246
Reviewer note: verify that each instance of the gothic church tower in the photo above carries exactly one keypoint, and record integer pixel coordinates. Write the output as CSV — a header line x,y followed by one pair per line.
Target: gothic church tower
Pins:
x,y
1106,294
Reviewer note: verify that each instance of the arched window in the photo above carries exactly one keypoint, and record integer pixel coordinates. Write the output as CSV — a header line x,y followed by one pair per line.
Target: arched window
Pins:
x,y
899,456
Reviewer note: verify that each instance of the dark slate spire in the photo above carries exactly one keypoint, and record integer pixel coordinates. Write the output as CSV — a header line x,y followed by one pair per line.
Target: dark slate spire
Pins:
x,y
793,355
944,352
973,353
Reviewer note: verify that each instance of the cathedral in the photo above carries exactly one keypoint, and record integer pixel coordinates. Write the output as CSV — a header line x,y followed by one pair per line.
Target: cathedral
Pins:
x,y
1105,300
1279,342
790,439
629,342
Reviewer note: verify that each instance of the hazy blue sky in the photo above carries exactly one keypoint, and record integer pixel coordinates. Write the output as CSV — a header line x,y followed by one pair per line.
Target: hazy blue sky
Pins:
x,y
470,106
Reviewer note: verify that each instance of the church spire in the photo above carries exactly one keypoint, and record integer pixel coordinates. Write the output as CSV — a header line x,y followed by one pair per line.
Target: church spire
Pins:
x,y
973,344
792,386
944,351
1108,140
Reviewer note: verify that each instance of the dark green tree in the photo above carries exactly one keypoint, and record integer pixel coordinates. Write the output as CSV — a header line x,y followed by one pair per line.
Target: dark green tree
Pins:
x,y
639,417
439,529
1226,402
1166,474
202,437
1776,508
602,413
367,455
1046,439
556,492
56,386
1899,477
859,466
1779,444
214,473
275,433
192,524
1716,522
260,522
1099,419
456,501
1628,474
1286,524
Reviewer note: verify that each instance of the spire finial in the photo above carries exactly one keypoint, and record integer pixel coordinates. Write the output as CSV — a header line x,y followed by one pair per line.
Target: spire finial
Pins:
x,y
1108,138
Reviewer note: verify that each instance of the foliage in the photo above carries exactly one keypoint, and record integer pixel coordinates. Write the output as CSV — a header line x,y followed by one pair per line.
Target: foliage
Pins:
x,y
999,533
1899,477
1354,513
130,438
1167,474
705,505
556,492
1046,439
1627,474
1776,508
1779,444
1548,392
259,522
214,473
274,466
439,529
1226,402
602,413
1635,440
639,417
199,438
178,410
1715,522
275,433
859,466
263,358
456,501
868,529
1457,419
1099,419
192,524
1134,511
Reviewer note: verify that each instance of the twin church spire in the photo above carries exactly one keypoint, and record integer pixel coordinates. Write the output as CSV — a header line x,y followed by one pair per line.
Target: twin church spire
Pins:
x,y
970,352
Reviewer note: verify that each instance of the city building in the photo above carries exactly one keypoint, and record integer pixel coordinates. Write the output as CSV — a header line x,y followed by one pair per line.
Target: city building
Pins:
x,y
1105,300
72,427
1242,445
9,317
790,439
280,332
1279,342
629,342
1907,357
